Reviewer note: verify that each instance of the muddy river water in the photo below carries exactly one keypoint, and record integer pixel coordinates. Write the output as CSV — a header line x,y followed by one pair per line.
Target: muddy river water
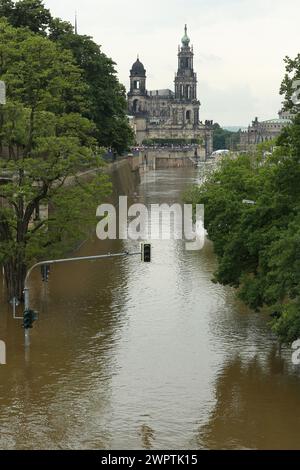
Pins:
x,y
131,355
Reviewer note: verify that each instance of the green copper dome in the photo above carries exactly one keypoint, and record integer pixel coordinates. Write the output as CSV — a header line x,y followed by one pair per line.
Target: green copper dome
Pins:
x,y
185,40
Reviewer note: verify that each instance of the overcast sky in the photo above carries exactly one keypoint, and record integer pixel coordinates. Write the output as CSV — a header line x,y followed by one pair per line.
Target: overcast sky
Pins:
x,y
239,46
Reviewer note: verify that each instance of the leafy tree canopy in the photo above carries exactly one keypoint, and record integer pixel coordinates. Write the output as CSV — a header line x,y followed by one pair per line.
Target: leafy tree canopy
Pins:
x,y
292,74
47,144
258,244
104,97
26,13
224,139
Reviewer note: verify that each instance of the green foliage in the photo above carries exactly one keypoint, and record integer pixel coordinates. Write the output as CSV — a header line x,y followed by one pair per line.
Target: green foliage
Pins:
x,y
58,29
106,97
6,8
258,245
47,146
292,74
103,98
224,139
287,326
38,73
26,13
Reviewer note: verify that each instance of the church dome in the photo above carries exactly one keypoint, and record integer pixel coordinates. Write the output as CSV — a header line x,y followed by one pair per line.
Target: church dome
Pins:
x,y
185,40
138,69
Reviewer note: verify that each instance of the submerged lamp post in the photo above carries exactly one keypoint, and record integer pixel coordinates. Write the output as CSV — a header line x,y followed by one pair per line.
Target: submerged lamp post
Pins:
x,y
30,316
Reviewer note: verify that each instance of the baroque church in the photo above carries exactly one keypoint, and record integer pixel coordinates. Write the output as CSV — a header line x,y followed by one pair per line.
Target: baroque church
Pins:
x,y
167,114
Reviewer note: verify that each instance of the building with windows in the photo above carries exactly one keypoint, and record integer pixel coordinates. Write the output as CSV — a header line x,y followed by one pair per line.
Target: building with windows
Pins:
x,y
264,131
166,114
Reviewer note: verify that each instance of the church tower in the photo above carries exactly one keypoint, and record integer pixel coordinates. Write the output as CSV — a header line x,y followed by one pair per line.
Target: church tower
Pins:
x,y
186,81
137,96
186,78
164,115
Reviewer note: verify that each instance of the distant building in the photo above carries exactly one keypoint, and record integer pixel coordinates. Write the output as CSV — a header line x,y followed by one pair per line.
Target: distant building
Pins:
x,y
167,114
264,131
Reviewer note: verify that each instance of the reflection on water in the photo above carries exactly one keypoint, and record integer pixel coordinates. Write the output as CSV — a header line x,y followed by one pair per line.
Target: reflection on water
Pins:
x,y
131,355
257,406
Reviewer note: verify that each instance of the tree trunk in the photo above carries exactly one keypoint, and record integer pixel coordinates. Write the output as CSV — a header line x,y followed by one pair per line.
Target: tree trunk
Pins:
x,y
15,272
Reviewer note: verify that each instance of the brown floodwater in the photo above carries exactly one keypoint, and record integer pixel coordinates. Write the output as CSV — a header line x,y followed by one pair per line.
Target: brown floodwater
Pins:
x,y
129,355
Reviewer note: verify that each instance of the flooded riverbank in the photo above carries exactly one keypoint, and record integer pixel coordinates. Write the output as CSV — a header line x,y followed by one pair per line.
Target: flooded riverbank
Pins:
x,y
127,355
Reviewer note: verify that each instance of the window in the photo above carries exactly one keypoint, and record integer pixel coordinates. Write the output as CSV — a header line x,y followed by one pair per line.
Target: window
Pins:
x,y
184,62
188,92
135,106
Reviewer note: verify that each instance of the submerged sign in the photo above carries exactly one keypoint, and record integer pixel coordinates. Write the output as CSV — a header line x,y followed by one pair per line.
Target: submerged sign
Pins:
x,y
2,353
2,92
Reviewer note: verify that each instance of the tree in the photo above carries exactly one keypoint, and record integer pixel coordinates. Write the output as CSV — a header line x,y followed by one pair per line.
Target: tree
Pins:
x,y
106,98
26,13
224,139
292,74
50,143
6,8
258,245
58,29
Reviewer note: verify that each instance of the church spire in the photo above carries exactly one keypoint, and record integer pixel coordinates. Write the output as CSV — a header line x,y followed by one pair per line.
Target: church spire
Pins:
x,y
186,78
76,26
185,40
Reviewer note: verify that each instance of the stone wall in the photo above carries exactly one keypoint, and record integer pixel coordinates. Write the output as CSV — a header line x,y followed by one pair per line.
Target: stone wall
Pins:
x,y
171,153
173,162
125,176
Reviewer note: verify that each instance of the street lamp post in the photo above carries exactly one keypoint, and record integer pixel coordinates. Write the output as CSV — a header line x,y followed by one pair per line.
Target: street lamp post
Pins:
x,y
66,260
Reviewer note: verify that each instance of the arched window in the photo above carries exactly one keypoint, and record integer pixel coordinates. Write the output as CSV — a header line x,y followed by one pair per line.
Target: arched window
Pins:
x,y
188,116
136,84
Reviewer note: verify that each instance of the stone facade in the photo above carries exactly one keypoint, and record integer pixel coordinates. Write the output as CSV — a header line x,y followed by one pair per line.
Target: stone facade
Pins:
x,y
167,114
264,131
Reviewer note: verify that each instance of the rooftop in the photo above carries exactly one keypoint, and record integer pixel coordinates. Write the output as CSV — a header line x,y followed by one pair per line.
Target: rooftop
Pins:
x,y
138,68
